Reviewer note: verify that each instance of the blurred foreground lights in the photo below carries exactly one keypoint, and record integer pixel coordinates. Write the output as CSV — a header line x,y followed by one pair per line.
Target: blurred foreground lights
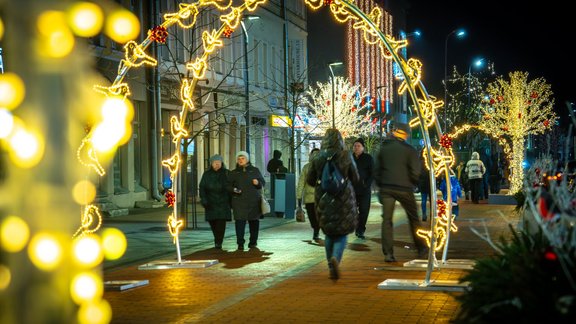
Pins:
x,y
113,243
106,136
98,312
26,148
11,90
45,251
84,192
6,123
85,19
87,251
85,287
5,277
117,109
14,234
122,26
56,39
1,28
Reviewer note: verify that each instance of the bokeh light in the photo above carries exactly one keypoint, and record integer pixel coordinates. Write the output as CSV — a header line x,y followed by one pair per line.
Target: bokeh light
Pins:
x,y
84,192
113,243
45,251
56,39
27,148
98,312
85,19
11,90
6,123
14,234
106,136
117,109
122,26
87,251
86,286
1,29
5,277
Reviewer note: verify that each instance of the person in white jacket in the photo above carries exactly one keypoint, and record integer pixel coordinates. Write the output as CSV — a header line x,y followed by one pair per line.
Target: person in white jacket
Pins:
x,y
475,170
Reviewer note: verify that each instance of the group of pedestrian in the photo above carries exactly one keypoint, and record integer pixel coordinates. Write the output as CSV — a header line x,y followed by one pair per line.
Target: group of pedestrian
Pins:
x,y
236,193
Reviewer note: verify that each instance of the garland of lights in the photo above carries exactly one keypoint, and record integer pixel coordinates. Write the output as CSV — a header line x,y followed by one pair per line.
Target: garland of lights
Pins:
x,y
342,11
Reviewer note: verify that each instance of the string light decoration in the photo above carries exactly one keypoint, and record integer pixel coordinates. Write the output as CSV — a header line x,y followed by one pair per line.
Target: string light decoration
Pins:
x,y
439,230
442,162
117,90
352,115
159,34
88,157
91,221
428,111
518,108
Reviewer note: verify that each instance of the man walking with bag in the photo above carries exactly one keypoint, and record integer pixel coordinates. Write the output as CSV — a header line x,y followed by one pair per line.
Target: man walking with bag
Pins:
x,y
363,188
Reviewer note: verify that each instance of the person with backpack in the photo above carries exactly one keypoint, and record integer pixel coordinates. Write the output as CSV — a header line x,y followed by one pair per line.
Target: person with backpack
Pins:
x,y
397,172
245,183
475,170
333,173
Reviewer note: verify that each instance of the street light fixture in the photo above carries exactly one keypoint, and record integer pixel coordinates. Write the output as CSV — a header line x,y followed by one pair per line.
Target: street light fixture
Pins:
x,y
477,63
333,82
459,33
246,84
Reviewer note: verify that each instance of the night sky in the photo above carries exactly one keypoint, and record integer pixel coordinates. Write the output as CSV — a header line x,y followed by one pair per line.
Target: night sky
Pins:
x,y
515,35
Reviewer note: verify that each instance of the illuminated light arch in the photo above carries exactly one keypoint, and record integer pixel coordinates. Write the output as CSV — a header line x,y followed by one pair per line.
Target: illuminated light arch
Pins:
x,y
343,11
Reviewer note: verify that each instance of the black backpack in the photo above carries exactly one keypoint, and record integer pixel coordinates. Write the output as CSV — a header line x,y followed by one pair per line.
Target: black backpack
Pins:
x,y
332,181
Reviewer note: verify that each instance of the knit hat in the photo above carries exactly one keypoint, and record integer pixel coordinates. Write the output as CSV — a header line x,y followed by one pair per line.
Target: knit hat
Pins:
x,y
402,131
360,140
216,157
243,153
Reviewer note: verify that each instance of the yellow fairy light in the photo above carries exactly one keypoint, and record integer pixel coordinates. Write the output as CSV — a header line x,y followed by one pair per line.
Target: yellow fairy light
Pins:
x,y
116,109
95,312
6,123
57,40
120,90
173,164
174,225
186,11
427,111
87,251
186,92
113,243
122,26
440,227
12,90
176,130
107,135
5,277
440,235
134,56
251,5
85,19
91,220
395,44
26,148
440,160
210,41
84,192
85,287
314,4
232,20
14,234
198,67
340,12
414,71
1,29
87,156
45,251
221,5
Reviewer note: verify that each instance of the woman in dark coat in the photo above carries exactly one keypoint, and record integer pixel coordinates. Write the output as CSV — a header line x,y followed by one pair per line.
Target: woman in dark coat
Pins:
x,y
338,215
245,184
215,198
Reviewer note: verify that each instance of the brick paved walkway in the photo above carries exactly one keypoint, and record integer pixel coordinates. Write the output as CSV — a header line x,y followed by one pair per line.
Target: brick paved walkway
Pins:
x,y
286,280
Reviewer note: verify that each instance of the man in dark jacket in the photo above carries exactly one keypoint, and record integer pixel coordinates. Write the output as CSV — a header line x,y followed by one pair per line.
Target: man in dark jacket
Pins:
x,y
363,188
396,173
275,165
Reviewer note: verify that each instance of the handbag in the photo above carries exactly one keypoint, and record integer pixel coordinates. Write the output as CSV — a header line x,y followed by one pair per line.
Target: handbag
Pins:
x,y
264,205
300,215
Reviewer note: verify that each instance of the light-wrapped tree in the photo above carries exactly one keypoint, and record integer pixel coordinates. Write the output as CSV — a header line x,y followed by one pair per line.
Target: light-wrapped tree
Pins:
x,y
352,112
518,108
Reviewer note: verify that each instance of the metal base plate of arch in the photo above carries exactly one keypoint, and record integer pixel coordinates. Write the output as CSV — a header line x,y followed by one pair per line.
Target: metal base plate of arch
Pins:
x,y
415,284
465,264
170,264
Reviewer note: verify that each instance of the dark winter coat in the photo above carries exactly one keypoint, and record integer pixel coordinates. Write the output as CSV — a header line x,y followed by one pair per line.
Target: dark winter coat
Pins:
x,y
424,180
275,165
397,166
365,166
214,194
246,202
337,215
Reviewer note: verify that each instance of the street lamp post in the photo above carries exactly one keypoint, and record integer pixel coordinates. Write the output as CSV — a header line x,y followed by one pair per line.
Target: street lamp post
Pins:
x,y
380,112
476,63
459,33
246,84
333,84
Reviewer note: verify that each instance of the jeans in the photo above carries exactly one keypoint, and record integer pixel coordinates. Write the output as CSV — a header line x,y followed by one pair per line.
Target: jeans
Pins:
x,y
425,197
335,246
241,227
388,199
363,202
311,211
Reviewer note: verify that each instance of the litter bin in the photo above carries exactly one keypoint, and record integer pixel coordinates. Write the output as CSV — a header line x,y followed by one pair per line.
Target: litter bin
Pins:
x,y
284,189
